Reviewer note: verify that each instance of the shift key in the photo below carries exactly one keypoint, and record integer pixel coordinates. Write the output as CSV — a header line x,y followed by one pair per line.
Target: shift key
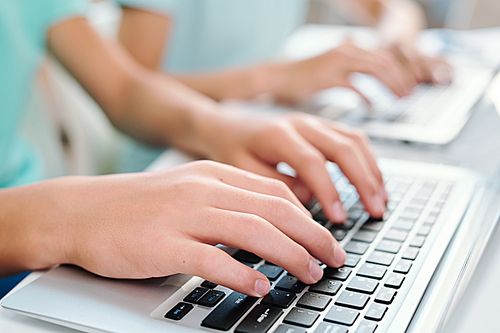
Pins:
x,y
260,319
229,311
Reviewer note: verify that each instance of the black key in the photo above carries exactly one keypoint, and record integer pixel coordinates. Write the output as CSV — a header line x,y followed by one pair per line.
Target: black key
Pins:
x,y
418,241
396,235
404,224
338,234
179,311
385,295
314,301
272,272
290,283
342,316
366,327
289,329
228,312
208,284
326,286
372,271
356,247
301,317
382,258
279,298
320,217
330,328
362,285
424,230
212,298
376,312
394,281
403,266
259,320
346,225
245,256
366,236
341,273
373,225
195,295
410,253
353,300
351,260
388,246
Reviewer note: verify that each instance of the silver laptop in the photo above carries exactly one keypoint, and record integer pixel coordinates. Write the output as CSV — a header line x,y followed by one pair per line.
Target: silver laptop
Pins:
x,y
432,114
403,272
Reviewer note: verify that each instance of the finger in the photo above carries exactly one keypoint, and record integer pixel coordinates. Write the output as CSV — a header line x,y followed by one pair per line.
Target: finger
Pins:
x,y
254,164
252,182
309,164
367,101
283,222
215,265
364,143
349,157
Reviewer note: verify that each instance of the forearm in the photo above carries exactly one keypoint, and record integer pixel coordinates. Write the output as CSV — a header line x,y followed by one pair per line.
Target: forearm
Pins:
x,y
26,241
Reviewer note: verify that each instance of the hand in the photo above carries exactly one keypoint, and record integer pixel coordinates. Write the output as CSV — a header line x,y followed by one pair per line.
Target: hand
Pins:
x,y
305,142
425,69
156,224
299,80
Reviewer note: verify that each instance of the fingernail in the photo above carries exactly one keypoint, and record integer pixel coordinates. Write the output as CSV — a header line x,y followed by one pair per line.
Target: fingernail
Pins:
x,y
339,255
378,205
383,193
338,211
262,287
315,271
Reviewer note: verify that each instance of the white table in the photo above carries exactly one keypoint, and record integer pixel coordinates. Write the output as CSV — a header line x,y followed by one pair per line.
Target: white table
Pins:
x,y
477,147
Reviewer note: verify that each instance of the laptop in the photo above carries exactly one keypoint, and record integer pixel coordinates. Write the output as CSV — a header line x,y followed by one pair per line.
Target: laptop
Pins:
x,y
402,272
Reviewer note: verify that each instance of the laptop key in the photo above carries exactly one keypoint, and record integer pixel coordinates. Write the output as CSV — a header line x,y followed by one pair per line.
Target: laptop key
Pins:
x,y
376,312
279,298
347,225
385,295
355,213
195,295
351,260
290,283
352,300
381,258
314,301
424,230
410,253
394,281
301,317
212,298
396,235
418,241
366,327
208,284
338,234
330,328
356,247
366,236
341,273
404,224
179,311
326,286
403,266
259,320
373,225
289,329
372,271
245,256
272,272
362,285
341,315
388,246
229,311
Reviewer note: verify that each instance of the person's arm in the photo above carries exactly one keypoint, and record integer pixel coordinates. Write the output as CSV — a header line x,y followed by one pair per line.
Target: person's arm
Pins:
x,y
158,109
144,35
160,223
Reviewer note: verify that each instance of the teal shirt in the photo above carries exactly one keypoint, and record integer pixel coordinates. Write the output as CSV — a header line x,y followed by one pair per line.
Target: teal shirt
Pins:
x,y
217,34
23,31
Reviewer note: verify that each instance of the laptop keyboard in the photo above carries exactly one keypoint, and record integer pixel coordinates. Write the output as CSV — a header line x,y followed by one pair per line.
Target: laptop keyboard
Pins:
x,y
354,298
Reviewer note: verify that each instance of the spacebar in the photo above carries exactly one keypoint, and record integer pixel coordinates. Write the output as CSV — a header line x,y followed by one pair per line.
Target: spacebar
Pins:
x,y
228,312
